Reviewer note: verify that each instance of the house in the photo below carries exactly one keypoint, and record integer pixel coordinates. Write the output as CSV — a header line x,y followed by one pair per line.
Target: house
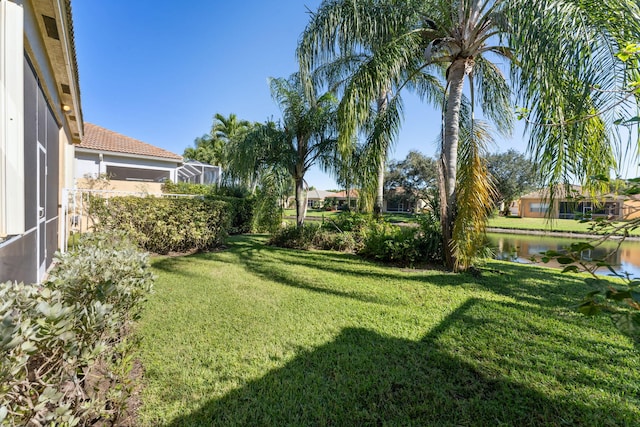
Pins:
x,y
572,202
40,120
315,199
343,198
131,165
399,200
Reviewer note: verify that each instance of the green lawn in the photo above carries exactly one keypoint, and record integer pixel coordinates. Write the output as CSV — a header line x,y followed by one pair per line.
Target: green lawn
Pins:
x,y
542,224
256,335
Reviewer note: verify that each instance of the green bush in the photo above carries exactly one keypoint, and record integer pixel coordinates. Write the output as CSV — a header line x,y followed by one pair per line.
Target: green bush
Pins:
x,y
268,213
248,213
351,221
169,187
54,339
240,211
430,237
292,236
406,246
369,237
346,241
164,225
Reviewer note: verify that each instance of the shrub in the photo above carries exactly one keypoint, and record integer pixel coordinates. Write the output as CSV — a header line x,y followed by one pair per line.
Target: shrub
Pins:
x,y
268,213
163,225
406,246
54,338
351,221
344,242
430,237
370,237
292,236
239,210
169,187
248,213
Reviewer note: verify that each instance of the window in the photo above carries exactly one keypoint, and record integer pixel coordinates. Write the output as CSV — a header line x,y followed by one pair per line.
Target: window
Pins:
x,y
538,207
120,173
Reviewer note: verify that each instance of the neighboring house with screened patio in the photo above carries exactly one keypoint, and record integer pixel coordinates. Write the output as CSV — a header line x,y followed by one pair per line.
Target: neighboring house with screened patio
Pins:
x,y
130,165
196,172
573,202
40,120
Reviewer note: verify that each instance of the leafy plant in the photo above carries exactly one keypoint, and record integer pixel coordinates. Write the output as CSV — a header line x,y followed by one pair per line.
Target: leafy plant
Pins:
x,y
163,225
292,236
53,338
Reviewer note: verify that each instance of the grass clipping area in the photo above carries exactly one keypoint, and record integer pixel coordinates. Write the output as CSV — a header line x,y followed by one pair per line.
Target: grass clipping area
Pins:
x,y
256,335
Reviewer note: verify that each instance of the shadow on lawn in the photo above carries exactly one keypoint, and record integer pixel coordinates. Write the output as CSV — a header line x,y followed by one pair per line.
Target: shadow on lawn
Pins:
x,y
511,280
364,378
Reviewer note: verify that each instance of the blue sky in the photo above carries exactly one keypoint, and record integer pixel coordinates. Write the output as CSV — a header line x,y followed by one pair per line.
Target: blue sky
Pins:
x,y
158,71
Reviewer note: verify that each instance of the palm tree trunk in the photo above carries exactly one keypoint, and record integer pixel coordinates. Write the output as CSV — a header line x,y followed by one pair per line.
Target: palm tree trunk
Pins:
x,y
300,202
383,103
449,156
379,205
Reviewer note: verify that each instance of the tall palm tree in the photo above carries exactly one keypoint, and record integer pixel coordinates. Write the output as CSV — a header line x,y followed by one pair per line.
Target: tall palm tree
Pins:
x,y
213,147
229,128
371,102
563,66
204,150
305,137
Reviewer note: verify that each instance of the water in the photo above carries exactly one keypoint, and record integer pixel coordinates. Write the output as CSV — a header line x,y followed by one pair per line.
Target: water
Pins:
x,y
521,248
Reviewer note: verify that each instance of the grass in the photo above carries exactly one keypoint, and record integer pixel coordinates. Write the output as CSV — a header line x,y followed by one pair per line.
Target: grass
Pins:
x,y
543,224
256,335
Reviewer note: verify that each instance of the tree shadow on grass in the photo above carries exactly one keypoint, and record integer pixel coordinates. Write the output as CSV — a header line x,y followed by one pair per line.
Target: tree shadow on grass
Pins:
x,y
539,286
364,378
275,269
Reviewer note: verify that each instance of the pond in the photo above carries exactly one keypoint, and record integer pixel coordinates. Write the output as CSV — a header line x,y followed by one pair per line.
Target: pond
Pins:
x,y
521,248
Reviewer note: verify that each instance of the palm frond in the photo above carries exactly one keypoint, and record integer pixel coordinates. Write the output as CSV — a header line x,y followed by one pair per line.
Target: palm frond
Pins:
x,y
475,193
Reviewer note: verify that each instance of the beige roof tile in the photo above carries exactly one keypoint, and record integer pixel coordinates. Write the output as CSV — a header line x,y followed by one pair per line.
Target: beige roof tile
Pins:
x,y
99,138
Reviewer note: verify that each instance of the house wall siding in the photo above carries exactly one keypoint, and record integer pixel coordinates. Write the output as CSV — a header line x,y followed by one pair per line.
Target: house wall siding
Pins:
x,y
25,256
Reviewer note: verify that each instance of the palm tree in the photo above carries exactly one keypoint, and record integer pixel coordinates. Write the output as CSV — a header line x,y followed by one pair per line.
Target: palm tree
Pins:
x,y
229,128
304,138
371,102
204,150
213,147
563,68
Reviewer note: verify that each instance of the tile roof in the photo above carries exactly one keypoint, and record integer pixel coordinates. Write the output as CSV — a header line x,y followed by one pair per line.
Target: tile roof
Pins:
x,y
319,194
101,139
343,194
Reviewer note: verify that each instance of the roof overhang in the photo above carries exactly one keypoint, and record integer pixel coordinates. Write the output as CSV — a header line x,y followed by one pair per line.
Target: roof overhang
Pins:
x,y
56,26
127,155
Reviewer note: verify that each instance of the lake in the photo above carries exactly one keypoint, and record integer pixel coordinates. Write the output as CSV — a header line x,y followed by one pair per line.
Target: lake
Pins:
x,y
520,248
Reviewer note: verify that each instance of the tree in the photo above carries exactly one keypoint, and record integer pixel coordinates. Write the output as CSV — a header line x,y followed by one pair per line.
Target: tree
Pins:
x,y
513,175
417,175
206,150
349,49
213,147
305,137
563,65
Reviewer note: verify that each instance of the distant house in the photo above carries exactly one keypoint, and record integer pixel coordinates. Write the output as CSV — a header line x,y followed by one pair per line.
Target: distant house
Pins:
x,y
573,202
342,198
196,172
315,199
130,164
399,200
40,120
